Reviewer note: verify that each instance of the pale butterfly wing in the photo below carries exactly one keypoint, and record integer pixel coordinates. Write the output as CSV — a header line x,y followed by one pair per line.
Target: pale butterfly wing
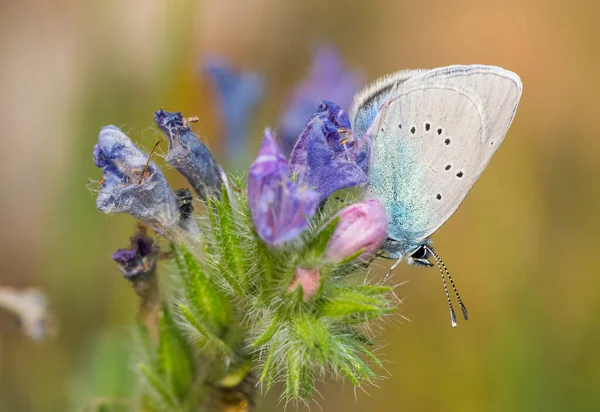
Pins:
x,y
366,103
434,134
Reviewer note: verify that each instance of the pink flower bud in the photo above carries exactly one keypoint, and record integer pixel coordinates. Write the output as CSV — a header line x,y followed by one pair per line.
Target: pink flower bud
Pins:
x,y
310,279
362,226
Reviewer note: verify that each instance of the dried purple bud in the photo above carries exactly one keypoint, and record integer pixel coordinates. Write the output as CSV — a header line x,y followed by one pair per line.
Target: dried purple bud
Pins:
x,y
329,80
137,187
279,206
238,93
188,154
326,156
139,259
362,226
309,279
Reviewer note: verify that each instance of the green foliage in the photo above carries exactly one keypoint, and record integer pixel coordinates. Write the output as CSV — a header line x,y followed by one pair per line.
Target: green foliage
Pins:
x,y
237,315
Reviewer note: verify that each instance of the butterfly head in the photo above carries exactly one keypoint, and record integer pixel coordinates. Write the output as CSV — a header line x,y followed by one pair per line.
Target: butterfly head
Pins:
x,y
419,254
414,252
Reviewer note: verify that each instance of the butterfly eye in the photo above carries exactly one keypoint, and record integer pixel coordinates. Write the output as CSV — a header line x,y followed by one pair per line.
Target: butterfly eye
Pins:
x,y
420,253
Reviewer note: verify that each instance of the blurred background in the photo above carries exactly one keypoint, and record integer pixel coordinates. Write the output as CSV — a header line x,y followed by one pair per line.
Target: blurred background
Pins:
x,y
521,247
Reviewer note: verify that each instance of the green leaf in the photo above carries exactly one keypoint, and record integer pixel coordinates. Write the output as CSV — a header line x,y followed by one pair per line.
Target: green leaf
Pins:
x,y
316,247
350,363
357,300
314,337
174,356
266,261
159,386
352,257
210,338
236,376
372,290
221,217
228,234
298,380
268,334
203,295
267,372
369,355
350,375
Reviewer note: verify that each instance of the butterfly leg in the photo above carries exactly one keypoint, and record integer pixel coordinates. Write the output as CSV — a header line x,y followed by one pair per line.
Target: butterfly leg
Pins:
x,y
394,266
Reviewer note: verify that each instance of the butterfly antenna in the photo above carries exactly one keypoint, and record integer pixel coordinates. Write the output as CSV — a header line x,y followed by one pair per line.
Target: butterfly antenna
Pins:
x,y
441,265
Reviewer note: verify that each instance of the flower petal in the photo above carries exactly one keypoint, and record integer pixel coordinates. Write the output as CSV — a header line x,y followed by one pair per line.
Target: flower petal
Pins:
x,y
238,93
140,258
362,226
188,154
328,79
129,186
279,206
326,155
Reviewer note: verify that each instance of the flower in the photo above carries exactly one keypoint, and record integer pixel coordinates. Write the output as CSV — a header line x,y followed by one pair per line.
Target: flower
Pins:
x,y
140,258
328,79
279,206
30,307
188,154
137,187
309,279
362,226
238,93
326,156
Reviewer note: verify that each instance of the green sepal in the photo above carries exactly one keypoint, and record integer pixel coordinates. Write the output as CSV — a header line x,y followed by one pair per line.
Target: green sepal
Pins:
x,y
268,334
356,300
159,386
210,338
267,372
235,377
202,294
317,245
173,356
223,229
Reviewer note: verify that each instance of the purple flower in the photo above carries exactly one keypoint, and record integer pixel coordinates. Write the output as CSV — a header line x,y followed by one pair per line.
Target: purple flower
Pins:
x,y
238,93
188,154
326,156
362,226
139,259
129,186
278,205
328,79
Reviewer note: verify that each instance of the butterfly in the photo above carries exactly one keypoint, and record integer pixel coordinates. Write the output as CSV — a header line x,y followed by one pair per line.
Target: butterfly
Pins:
x,y
431,135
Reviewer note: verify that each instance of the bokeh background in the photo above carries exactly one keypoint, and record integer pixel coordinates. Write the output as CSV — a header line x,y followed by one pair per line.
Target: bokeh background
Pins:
x,y
523,247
